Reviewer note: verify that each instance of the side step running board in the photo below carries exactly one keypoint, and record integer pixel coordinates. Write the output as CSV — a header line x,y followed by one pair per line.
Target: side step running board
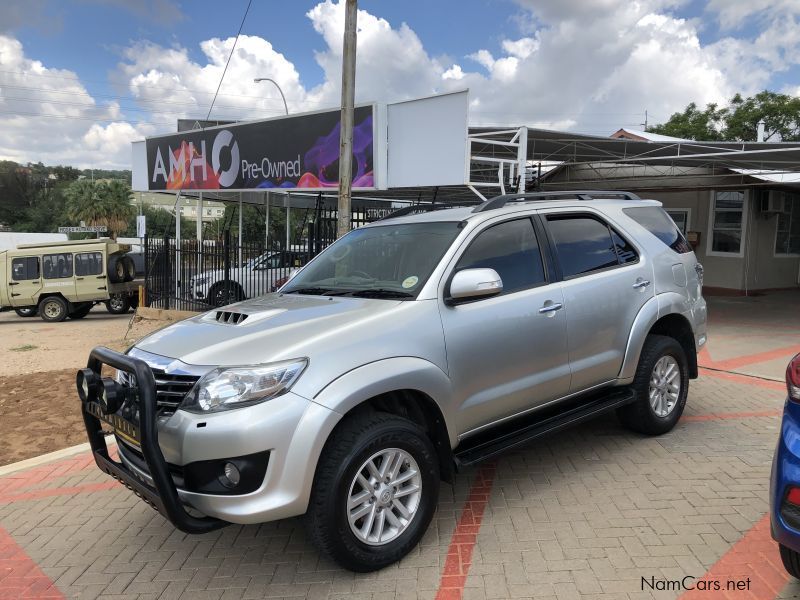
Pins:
x,y
518,432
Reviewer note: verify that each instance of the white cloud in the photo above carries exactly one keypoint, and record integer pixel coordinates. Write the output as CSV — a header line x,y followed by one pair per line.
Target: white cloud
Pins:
x,y
46,115
587,66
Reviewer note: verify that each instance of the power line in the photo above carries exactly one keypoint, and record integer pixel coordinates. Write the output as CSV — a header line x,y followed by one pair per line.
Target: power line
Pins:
x,y
233,48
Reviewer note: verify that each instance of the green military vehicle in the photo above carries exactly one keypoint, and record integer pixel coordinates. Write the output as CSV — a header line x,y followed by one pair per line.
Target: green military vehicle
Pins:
x,y
60,280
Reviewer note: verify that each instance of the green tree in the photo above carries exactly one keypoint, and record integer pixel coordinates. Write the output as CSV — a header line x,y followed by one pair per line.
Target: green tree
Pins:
x,y
780,113
694,124
99,204
739,120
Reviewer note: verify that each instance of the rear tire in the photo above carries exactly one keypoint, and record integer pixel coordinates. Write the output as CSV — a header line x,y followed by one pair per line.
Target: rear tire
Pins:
x,y
27,312
791,561
661,385
53,309
344,490
116,269
81,312
130,268
118,304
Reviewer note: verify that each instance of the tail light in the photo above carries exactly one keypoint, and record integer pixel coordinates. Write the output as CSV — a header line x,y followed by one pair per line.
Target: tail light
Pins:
x,y
793,378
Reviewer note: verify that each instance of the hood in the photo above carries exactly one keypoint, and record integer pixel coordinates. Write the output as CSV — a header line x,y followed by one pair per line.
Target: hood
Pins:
x,y
269,328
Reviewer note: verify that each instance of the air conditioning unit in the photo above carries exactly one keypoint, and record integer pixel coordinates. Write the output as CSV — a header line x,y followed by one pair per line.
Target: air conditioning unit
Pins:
x,y
774,202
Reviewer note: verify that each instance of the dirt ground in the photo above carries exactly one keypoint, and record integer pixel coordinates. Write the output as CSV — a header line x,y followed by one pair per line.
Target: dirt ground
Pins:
x,y
39,409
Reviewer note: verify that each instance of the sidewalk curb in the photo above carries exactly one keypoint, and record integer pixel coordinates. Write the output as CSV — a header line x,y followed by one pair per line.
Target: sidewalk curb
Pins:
x,y
50,457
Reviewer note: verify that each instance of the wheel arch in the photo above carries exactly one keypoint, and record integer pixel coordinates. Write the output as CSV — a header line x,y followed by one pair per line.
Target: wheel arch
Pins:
x,y
408,387
656,318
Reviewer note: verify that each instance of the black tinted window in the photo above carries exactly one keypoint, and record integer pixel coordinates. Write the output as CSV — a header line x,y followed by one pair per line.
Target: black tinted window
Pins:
x,y
25,269
57,266
659,223
583,244
511,250
88,263
625,252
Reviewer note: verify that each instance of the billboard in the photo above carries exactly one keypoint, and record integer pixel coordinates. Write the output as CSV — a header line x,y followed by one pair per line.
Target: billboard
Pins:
x,y
300,151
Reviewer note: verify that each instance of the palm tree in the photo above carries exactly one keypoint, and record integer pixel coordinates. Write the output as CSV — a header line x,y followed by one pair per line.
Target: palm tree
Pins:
x,y
100,203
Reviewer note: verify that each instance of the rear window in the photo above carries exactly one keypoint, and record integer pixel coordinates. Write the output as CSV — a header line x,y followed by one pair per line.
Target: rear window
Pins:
x,y
659,223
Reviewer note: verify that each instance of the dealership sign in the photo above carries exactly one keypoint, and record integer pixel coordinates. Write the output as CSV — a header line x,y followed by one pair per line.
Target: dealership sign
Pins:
x,y
293,152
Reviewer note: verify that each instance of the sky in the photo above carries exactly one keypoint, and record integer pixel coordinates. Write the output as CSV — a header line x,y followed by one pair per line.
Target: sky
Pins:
x,y
81,79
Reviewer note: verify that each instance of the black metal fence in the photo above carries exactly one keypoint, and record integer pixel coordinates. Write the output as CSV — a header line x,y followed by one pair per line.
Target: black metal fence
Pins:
x,y
194,275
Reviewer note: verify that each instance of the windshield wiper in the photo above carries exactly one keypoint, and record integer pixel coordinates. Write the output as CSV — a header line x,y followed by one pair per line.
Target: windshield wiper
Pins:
x,y
317,291
381,293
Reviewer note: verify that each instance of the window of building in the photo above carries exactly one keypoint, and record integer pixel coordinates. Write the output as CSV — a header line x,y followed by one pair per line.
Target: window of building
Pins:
x,y
57,266
511,249
584,245
25,269
681,218
727,223
88,263
787,236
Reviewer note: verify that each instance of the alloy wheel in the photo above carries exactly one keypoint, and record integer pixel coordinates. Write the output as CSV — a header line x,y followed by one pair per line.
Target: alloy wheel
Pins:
x,y
665,385
384,496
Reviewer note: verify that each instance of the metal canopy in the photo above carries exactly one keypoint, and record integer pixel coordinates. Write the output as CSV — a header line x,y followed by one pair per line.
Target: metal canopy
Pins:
x,y
557,146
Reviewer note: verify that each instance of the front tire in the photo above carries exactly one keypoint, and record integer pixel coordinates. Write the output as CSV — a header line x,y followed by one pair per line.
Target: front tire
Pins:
x,y
661,385
221,294
374,493
53,309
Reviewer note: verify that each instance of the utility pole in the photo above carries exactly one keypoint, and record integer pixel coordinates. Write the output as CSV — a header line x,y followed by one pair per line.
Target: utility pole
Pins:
x,y
346,133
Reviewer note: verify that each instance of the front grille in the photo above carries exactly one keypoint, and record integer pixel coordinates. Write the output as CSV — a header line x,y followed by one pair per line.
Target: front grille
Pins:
x,y
170,389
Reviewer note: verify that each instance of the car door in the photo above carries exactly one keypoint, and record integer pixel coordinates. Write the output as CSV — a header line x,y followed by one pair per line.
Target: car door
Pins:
x,y
58,274
89,276
24,281
606,280
506,354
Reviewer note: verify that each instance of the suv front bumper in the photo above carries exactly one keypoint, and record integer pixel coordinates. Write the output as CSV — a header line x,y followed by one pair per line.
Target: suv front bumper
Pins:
x,y
290,429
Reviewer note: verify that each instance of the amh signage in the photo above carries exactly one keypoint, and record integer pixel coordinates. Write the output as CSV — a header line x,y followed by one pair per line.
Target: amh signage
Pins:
x,y
294,152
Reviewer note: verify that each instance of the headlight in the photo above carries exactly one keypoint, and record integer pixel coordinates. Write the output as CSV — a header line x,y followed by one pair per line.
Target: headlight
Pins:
x,y
201,280
231,387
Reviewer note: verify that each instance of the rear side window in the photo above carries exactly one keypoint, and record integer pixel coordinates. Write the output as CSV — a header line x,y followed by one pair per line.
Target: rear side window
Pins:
x,y
584,244
88,263
25,269
659,223
57,266
511,249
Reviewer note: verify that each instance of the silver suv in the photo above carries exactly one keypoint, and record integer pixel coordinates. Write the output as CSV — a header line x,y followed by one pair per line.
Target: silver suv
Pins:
x,y
409,349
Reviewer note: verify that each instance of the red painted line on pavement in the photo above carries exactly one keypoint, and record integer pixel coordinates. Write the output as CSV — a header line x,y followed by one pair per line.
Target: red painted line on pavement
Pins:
x,y
61,491
751,359
764,383
459,554
28,477
20,576
754,556
735,415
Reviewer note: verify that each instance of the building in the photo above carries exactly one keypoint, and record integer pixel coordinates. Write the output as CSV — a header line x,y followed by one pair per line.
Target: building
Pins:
x,y
212,210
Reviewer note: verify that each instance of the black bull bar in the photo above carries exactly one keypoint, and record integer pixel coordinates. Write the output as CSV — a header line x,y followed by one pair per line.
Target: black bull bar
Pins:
x,y
163,495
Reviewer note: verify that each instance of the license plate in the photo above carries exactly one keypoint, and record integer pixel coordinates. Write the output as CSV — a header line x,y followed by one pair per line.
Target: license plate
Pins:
x,y
125,429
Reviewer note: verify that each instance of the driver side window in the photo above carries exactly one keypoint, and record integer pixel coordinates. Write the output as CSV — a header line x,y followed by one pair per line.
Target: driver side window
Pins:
x,y
512,250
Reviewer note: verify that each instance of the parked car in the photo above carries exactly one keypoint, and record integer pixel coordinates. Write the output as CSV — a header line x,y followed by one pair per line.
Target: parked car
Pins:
x,y
60,280
256,277
785,481
410,348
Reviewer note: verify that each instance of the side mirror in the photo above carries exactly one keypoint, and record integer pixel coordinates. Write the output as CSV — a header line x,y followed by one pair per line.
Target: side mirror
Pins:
x,y
471,284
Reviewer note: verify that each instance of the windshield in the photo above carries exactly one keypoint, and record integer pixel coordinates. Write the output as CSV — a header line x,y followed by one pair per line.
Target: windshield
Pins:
x,y
389,261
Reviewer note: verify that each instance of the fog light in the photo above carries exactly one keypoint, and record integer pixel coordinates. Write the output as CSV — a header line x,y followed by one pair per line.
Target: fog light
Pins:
x,y
793,497
231,475
110,396
87,383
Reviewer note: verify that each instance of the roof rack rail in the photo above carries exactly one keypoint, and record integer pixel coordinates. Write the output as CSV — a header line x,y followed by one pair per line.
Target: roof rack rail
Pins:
x,y
420,208
500,201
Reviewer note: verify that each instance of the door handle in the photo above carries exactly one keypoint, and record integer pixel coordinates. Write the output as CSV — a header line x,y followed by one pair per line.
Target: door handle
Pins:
x,y
13,283
102,288
101,276
550,308
14,295
643,283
